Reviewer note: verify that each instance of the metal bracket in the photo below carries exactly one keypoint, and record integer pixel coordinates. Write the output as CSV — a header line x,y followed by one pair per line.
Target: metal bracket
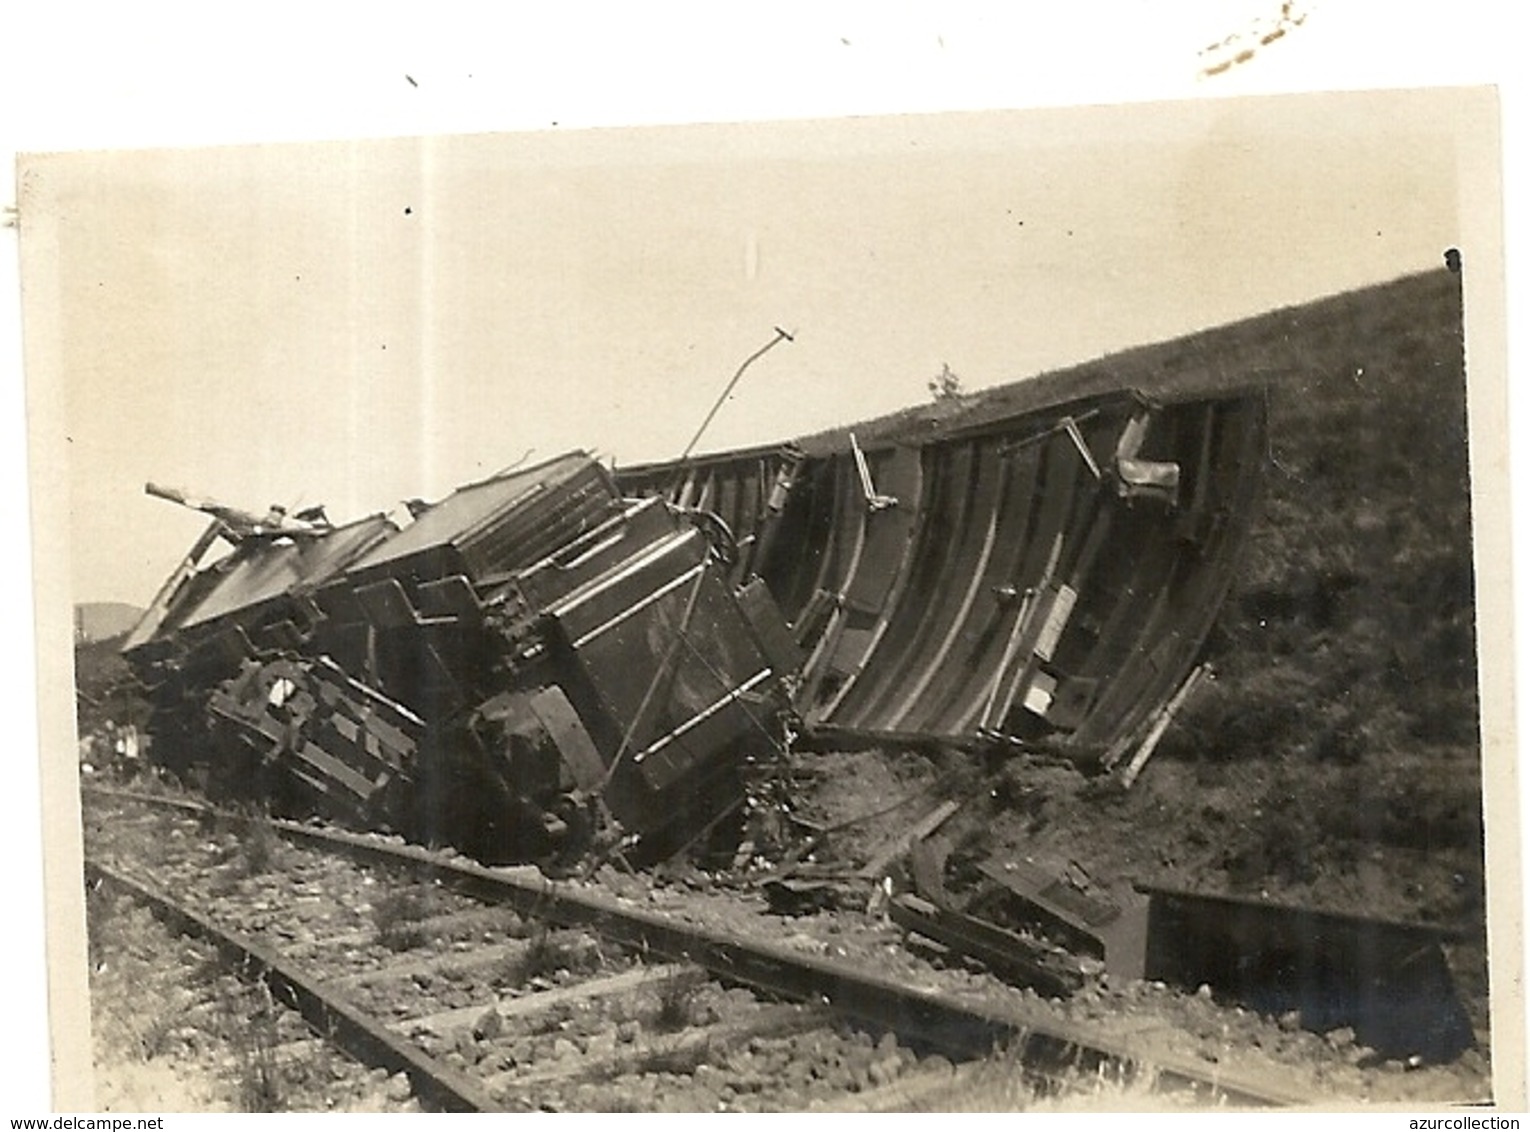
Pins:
x,y
874,501
1071,427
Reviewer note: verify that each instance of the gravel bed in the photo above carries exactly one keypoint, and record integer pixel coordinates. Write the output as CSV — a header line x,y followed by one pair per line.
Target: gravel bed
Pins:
x,y
306,899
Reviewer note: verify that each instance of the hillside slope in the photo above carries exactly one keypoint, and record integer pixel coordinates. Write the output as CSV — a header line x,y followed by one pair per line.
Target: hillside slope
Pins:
x,y
101,620
1335,760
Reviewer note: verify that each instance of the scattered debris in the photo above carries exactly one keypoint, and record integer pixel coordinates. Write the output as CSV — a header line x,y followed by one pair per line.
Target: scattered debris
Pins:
x,y
1017,920
1379,986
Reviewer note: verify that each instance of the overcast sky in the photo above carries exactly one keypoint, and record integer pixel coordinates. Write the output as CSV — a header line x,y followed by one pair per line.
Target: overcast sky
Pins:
x,y
358,323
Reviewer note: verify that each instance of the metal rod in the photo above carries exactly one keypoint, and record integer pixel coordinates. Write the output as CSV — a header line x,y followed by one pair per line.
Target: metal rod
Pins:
x,y
718,404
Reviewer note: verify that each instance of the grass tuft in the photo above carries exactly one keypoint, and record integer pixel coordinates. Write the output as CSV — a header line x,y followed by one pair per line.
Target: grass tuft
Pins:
x,y
548,952
398,917
677,1001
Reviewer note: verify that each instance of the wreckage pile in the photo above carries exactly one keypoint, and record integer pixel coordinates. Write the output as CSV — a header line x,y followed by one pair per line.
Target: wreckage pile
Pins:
x,y
533,660
563,657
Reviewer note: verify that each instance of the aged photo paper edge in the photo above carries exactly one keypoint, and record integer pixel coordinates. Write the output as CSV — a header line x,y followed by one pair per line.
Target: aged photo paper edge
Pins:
x,y
1481,208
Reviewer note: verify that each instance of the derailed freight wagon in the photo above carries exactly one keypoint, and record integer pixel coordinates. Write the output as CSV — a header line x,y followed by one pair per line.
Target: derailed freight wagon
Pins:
x,y
532,660
562,655
1040,578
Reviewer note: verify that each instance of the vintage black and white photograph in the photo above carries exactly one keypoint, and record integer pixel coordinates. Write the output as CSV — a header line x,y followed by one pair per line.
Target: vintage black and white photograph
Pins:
x,y
939,612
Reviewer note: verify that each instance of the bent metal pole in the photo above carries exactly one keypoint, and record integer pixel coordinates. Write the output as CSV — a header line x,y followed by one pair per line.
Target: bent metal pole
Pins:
x,y
718,404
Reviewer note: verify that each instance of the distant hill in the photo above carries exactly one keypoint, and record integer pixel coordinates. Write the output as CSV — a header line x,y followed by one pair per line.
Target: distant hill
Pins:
x,y
102,620
1283,349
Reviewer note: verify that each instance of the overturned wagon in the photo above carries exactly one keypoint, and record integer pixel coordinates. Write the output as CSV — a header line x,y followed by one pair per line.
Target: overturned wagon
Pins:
x,y
531,657
564,654
1045,577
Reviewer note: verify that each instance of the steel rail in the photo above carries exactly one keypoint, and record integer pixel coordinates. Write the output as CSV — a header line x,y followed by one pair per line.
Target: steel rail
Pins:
x,y
955,1027
327,1010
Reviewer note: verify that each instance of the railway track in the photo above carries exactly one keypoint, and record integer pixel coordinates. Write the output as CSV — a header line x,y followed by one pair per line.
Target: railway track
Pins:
x,y
494,989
